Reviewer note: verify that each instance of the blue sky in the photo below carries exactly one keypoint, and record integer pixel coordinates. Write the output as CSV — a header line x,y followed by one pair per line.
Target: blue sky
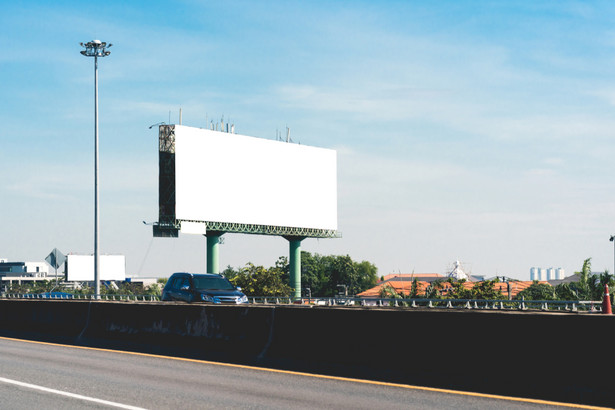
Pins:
x,y
470,130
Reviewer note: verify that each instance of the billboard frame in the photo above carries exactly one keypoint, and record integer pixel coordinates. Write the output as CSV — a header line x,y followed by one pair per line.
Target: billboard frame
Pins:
x,y
168,225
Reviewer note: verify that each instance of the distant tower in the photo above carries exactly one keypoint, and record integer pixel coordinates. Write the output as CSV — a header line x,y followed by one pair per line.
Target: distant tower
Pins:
x,y
533,274
559,273
550,274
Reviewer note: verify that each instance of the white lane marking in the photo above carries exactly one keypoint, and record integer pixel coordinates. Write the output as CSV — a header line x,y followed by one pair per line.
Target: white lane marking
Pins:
x,y
67,394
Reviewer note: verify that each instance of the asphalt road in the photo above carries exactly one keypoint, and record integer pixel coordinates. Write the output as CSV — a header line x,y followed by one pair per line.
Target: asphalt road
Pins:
x,y
35,375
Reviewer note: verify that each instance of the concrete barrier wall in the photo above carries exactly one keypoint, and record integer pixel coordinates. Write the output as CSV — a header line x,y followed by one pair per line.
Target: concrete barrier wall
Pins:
x,y
560,357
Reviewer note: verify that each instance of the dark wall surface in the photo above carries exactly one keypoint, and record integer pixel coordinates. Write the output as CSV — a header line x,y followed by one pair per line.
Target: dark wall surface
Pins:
x,y
561,357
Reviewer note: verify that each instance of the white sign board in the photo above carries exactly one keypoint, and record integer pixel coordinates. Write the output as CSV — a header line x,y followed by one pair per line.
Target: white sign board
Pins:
x,y
80,268
224,177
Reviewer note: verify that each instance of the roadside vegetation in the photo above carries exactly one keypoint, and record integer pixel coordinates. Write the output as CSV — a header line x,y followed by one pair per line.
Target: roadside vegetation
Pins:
x,y
446,289
323,275
331,275
106,288
589,286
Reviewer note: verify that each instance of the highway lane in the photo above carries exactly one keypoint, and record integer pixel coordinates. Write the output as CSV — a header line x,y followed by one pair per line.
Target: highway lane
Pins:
x,y
155,382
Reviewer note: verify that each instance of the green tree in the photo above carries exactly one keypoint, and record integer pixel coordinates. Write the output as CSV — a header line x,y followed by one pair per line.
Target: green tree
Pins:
x,y
388,292
486,290
566,291
589,286
230,273
323,274
314,273
258,281
368,275
537,291
433,291
154,289
583,288
479,290
597,283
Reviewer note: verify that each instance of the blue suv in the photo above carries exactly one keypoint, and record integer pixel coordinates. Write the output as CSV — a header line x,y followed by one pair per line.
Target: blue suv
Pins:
x,y
202,287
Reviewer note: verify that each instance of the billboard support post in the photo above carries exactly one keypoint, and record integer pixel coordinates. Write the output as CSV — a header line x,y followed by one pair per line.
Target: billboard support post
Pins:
x,y
295,264
213,245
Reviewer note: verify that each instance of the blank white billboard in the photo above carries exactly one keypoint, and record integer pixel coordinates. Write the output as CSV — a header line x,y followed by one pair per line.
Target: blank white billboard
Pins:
x,y
80,268
224,177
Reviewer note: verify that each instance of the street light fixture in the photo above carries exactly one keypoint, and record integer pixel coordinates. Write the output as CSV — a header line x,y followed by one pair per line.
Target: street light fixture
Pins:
x,y
613,240
96,48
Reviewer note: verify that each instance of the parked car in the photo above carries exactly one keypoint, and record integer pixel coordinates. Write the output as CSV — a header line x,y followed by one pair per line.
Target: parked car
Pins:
x,y
202,287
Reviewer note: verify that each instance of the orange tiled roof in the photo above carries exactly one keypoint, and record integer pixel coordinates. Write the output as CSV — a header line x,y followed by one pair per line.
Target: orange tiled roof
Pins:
x,y
398,285
405,287
411,275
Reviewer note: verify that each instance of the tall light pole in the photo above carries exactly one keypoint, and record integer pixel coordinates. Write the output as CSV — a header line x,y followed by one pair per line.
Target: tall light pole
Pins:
x,y
96,48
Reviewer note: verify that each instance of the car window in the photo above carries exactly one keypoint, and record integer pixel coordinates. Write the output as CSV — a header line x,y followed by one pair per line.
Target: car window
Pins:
x,y
212,283
177,282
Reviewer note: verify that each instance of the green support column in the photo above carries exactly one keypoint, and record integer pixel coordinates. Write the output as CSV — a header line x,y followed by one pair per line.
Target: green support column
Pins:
x,y
213,243
295,264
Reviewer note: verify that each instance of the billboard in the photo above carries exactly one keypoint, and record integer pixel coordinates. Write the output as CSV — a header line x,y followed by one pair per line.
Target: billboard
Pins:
x,y
80,268
231,178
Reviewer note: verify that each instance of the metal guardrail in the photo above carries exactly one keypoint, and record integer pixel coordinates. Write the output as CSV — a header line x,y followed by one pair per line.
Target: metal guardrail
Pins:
x,y
127,298
522,305
482,304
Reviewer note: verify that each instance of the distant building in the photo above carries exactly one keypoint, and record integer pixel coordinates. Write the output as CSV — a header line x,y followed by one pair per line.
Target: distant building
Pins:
x,y
27,269
21,272
541,274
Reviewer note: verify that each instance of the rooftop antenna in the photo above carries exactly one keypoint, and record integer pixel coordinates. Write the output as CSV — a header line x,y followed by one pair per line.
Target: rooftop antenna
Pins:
x,y
180,116
287,134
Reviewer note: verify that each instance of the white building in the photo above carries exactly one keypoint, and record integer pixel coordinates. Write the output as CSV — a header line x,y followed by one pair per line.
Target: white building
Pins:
x,y
542,274
27,269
